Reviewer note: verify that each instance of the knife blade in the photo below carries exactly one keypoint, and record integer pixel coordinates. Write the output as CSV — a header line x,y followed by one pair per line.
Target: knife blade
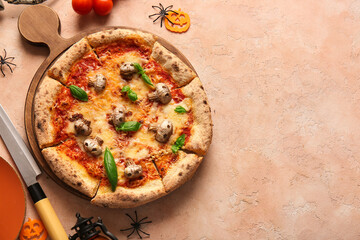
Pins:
x,y
29,170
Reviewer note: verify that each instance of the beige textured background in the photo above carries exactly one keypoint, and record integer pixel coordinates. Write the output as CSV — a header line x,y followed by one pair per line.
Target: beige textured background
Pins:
x,y
283,80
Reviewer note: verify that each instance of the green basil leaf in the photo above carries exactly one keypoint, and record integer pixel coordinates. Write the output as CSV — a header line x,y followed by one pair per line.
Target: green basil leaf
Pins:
x,y
111,169
78,93
138,68
125,89
132,95
131,126
179,143
146,79
180,109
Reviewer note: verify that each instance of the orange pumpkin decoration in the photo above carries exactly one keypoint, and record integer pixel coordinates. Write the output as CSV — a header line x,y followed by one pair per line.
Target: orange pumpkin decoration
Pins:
x,y
180,21
33,230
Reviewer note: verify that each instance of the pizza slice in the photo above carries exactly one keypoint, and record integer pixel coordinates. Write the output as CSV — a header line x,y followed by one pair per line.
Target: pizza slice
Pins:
x,y
178,70
134,187
71,164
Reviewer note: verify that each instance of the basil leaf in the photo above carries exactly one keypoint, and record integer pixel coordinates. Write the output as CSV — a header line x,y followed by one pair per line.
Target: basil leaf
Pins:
x,y
146,79
125,89
111,169
138,68
180,109
131,126
78,93
179,143
132,95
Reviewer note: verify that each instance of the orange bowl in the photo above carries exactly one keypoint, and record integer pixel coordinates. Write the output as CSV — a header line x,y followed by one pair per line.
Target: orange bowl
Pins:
x,y
12,202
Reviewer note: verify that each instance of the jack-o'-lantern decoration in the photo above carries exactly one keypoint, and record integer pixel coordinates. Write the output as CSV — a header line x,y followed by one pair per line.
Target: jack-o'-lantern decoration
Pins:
x,y
179,22
33,230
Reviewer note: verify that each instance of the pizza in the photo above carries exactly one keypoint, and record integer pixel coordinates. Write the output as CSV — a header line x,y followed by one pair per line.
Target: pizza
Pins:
x,y
122,119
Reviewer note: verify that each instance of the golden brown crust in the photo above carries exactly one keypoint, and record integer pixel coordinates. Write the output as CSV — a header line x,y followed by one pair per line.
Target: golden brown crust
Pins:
x,y
201,132
180,72
115,35
44,101
70,171
129,197
181,171
61,67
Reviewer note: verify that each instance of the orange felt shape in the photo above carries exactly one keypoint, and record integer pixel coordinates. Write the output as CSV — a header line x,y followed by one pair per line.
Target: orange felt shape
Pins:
x,y
12,202
33,230
181,21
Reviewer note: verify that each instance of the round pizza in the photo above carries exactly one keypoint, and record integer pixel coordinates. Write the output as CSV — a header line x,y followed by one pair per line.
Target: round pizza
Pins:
x,y
122,119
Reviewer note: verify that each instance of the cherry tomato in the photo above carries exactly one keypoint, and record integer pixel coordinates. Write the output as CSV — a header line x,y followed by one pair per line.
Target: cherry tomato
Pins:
x,y
82,7
102,7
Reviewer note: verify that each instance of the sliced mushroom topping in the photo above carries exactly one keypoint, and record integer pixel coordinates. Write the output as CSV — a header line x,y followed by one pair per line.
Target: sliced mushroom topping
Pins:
x,y
163,132
82,127
127,70
161,94
93,146
118,115
132,170
100,83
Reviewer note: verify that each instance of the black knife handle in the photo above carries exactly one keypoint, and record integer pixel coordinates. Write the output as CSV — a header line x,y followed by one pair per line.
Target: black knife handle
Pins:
x,y
36,192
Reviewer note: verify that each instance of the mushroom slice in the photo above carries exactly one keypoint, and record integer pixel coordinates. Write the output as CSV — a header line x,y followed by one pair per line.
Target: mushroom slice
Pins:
x,y
118,115
161,94
99,83
93,146
163,131
82,127
132,170
127,70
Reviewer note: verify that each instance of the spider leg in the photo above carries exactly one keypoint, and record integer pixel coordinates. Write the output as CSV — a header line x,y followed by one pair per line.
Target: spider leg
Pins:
x,y
157,18
138,233
162,7
154,14
9,67
131,233
169,20
142,219
9,58
169,7
143,232
5,53
156,7
123,230
11,63
146,222
173,11
162,19
1,68
136,216
130,217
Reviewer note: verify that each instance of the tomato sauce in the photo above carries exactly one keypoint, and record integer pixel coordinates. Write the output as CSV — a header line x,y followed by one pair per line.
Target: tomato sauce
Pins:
x,y
81,68
157,74
63,104
177,95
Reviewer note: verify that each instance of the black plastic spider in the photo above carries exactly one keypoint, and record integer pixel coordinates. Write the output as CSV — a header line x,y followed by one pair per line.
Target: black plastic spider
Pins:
x,y
5,61
136,225
163,13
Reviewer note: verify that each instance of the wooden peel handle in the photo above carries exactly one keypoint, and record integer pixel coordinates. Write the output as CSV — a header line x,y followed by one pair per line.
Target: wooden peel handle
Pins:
x,y
47,214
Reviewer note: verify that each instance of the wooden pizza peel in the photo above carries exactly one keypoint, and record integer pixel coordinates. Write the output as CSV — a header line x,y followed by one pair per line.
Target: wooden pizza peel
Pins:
x,y
40,25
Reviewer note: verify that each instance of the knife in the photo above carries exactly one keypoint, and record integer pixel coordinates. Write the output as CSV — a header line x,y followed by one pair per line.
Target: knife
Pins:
x,y
29,170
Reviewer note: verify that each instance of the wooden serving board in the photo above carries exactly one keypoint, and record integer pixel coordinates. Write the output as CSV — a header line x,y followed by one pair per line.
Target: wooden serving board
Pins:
x,y
48,35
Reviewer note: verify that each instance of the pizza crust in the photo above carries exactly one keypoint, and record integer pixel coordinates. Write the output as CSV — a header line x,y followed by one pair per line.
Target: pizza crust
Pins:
x,y
181,171
61,68
201,132
70,171
44,101
129,197
180,72
115,35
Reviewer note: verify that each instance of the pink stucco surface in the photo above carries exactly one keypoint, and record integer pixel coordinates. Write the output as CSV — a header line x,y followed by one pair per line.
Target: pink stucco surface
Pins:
x,y
283,82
